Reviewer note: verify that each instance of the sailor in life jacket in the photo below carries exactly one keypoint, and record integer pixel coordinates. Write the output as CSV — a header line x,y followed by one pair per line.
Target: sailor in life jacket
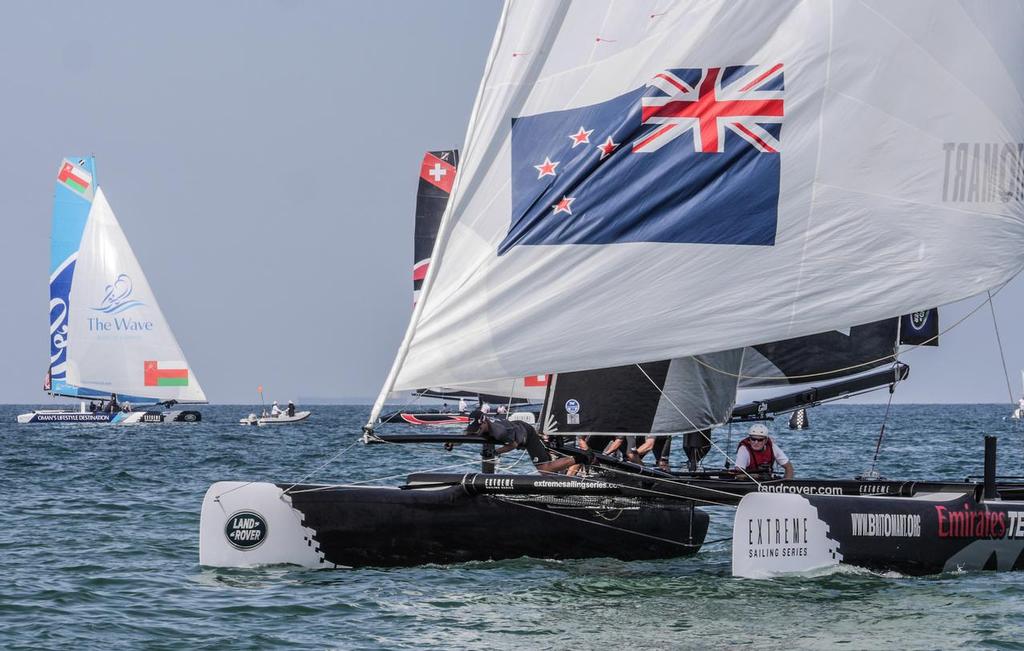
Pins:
x,y
758,453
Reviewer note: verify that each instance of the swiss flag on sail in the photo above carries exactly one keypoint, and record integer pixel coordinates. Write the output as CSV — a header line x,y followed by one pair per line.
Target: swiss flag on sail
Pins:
x,y
437,172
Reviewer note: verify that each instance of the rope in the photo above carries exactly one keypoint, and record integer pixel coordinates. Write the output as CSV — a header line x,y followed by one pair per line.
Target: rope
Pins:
x,y
601,524
881,431
1002,355
694,425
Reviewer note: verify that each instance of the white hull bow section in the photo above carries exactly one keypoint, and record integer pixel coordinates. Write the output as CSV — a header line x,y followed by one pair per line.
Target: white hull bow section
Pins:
x,y
927,534
245,524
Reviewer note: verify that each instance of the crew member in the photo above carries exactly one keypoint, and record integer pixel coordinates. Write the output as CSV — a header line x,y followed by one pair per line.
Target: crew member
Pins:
x,y
112,406
758,453
275,410
291,408
462,405
662,448
514,435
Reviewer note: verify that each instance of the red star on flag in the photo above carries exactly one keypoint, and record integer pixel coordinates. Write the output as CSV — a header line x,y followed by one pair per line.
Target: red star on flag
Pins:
x,y
546,168
580,137
563,205
607,148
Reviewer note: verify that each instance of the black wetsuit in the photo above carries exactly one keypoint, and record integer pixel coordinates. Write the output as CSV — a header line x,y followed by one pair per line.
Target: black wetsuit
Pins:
x,y
291,409
520,433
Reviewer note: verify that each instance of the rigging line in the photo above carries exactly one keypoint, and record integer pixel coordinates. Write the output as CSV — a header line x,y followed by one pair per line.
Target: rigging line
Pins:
x,y
384,423
873,362
329,461
694,426
324,465
369,481
706,489
881,430
651,491
674,480
601,524
1002,355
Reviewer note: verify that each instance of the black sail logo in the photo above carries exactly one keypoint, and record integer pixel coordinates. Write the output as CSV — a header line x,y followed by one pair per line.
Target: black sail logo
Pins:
x,y
246,530
918,319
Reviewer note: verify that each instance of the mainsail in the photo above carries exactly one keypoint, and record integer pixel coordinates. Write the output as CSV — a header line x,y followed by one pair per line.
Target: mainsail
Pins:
x,y
643,184
108,334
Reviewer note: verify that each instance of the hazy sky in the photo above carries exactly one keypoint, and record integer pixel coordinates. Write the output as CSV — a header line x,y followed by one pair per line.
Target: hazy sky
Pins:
x,y
262,158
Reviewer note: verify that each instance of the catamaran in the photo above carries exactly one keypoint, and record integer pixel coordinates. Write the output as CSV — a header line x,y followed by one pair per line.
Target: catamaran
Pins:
x,y
685,183
110,345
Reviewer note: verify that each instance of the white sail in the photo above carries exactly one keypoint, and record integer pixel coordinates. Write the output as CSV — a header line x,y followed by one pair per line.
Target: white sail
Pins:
x,y
119,340
618,202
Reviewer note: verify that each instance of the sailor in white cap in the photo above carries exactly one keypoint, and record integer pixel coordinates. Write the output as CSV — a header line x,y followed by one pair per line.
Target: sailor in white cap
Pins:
x,y
758,453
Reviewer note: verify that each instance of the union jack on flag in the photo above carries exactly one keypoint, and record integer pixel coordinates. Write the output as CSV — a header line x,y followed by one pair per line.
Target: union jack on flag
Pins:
x,y
692,157
742,99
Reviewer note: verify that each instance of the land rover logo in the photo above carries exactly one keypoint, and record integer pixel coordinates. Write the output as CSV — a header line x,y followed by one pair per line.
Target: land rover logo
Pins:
x,y
246,530
572,406
918,319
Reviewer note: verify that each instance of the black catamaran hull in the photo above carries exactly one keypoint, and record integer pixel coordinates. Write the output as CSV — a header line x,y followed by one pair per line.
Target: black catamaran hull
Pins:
x,y
932,533
246,524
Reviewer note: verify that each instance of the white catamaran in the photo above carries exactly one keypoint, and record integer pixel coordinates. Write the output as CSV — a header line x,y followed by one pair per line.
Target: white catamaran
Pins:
x,y
110,345
686,182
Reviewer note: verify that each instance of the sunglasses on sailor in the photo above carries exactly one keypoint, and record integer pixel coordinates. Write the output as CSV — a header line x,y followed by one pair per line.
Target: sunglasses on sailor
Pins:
x,y
757,439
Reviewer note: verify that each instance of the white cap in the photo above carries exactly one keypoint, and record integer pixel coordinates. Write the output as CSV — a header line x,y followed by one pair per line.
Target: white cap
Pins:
x,y
275,402
758,429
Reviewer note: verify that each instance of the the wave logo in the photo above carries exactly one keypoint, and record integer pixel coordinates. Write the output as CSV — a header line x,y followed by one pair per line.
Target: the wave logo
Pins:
x,y
118,296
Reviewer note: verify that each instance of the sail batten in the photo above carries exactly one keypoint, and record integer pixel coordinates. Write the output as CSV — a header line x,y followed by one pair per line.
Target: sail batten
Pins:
x,y
603,217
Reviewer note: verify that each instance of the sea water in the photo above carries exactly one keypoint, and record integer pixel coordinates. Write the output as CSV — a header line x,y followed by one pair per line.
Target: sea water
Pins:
x,y
99,549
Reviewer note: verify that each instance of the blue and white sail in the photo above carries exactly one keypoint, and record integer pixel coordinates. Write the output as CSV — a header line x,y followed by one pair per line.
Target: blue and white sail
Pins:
x,y
107,332
654,180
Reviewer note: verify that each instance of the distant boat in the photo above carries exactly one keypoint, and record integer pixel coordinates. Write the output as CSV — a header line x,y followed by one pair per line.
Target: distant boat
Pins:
x,y
116,341
281,419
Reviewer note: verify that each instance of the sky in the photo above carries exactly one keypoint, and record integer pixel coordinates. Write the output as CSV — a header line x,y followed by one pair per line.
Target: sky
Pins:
x,y
262,158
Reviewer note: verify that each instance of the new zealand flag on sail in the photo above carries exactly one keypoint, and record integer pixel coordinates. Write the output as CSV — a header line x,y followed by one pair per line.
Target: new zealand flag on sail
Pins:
x,y
693,157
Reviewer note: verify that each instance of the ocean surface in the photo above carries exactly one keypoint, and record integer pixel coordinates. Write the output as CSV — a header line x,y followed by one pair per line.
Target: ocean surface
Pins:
x,y
99,549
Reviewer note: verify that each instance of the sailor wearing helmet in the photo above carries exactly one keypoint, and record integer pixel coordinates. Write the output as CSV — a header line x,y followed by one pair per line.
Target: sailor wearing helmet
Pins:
x,y
758,453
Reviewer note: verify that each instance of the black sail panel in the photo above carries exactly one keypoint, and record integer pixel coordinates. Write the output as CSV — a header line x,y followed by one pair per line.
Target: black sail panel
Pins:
x,y
821,357
437,172
665,397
